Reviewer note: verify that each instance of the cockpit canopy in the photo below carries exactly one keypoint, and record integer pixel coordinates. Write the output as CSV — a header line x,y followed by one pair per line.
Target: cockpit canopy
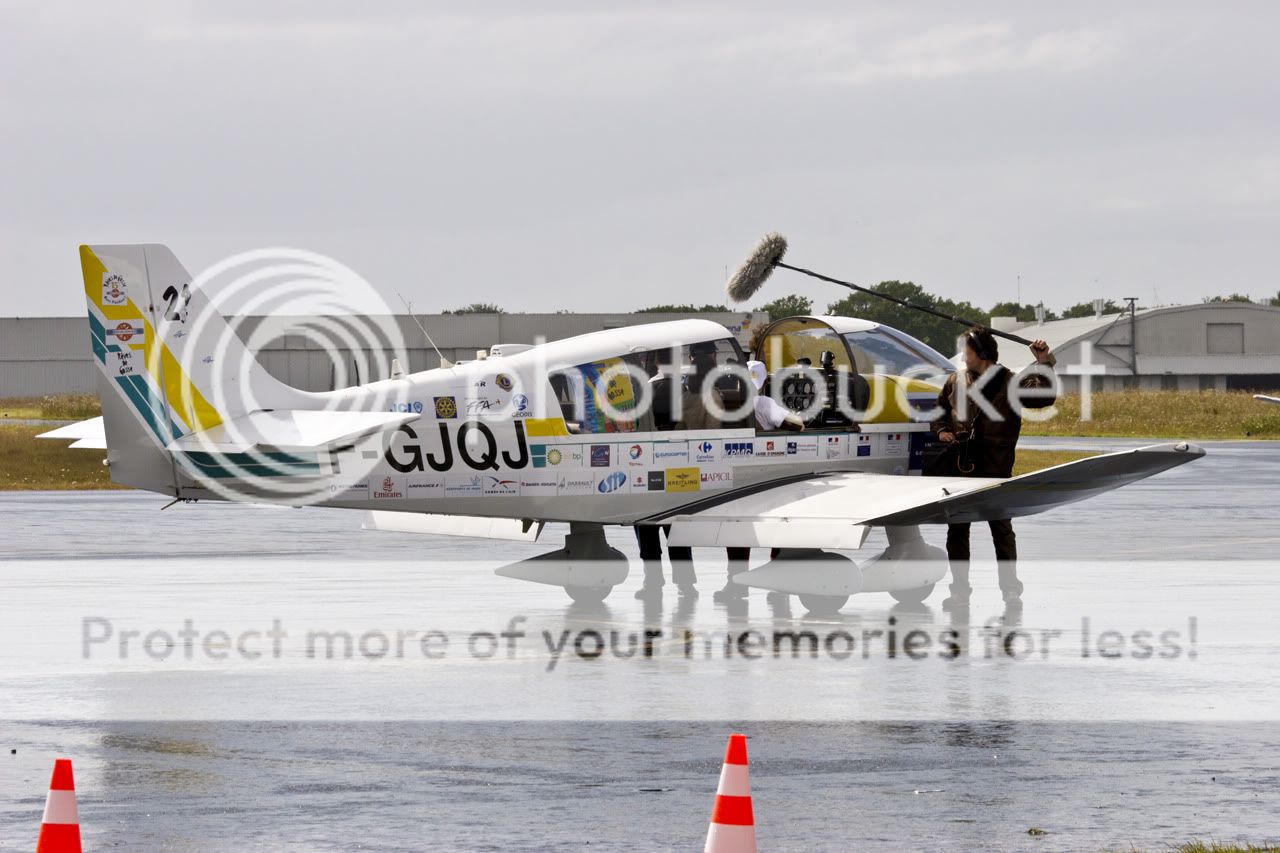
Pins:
x,y
858,346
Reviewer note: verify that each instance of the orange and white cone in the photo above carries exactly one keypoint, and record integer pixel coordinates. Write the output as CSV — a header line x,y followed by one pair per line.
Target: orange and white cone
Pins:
x,y
60,829
733,827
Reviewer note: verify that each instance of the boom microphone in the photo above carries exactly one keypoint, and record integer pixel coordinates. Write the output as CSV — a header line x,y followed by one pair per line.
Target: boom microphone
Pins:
x,y
756,269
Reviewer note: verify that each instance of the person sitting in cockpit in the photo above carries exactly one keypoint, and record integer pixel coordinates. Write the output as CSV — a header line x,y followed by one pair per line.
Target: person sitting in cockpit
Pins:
x,y
770,414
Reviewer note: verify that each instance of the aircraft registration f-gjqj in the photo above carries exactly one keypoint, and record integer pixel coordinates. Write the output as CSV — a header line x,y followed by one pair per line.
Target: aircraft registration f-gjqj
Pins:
x,y
566,431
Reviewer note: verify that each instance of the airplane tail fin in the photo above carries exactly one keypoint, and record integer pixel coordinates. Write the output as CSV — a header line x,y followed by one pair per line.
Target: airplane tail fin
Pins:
x,y
169,364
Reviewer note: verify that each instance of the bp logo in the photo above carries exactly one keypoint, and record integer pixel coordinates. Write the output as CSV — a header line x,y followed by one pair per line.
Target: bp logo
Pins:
x,y
554,457
503,381
446,407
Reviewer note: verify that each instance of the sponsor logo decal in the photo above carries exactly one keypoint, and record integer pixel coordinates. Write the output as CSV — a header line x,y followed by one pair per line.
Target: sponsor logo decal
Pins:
x,y
611,483
574,484
126,330
682,479
835,448
464,485
501,486
389,488
639,481
503,381
657,481
115,291
123,363
864,445
537,485
599,456
414,408
446,407
738,448
717,479
675,451
636,451
703,451
520,403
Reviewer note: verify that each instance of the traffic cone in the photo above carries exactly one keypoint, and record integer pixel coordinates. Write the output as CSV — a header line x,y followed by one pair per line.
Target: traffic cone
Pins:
x,y
733,827
60,829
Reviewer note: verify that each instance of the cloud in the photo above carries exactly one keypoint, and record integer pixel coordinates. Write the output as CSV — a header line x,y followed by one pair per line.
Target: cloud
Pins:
x,y
953,51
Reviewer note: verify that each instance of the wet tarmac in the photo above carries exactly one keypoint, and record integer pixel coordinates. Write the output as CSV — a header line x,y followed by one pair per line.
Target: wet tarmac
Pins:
x,y
872,753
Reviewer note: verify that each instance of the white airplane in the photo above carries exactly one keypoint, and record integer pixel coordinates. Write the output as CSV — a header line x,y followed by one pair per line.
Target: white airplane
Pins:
x,y
512,440
1265,399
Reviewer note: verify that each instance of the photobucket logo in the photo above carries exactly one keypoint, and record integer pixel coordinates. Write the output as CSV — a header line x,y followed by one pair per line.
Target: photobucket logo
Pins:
x,y
253,437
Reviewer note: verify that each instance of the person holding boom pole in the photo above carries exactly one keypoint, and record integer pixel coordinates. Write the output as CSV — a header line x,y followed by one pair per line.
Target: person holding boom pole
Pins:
x,y
991,441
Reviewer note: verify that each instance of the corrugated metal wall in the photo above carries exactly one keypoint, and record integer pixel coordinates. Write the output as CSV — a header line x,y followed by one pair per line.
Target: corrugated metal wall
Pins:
x,y
50,355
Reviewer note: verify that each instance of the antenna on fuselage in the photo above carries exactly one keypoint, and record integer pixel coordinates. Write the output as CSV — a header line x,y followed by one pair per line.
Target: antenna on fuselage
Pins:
x,y
444,362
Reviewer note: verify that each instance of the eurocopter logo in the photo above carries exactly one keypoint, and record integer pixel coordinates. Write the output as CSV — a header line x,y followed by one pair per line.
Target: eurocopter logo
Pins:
x,y
612,483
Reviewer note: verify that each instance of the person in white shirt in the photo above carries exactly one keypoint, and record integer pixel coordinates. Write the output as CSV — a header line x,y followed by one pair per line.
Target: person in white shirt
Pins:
x,y
770,414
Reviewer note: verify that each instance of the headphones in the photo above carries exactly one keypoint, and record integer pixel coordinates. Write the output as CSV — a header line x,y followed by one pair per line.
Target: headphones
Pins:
x,y
974,342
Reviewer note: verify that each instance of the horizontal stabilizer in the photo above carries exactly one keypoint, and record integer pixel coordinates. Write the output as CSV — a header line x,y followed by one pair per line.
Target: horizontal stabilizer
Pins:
x,y
78,431
288,429
512,529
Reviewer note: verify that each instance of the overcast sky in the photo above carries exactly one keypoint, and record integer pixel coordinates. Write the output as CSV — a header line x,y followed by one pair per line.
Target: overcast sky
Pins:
x,y
605,157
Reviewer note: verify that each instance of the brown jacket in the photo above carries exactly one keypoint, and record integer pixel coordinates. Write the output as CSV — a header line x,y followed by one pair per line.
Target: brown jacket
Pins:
x,y
995,440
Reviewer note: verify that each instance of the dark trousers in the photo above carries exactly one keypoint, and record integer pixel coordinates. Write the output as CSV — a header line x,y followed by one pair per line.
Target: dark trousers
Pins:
x,y
649,539
739,561
1006,543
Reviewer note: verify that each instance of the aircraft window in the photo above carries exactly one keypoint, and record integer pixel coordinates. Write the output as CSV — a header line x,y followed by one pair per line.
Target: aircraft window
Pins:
x,y
878,351
581,391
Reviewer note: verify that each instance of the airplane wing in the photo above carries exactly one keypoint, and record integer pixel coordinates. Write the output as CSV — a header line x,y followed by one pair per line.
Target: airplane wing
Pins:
x,y
1266,399
835,510
87,435
293,429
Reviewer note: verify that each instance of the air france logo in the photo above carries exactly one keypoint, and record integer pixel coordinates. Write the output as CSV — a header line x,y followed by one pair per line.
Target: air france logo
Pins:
x,y
612,483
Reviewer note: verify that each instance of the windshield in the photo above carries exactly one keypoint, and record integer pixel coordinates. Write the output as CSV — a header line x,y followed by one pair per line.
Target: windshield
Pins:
x,y
877,351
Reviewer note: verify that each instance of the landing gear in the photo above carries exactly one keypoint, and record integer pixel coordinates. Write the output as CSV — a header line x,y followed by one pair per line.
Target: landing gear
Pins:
x,y
912,596
588,594
823,605
586,567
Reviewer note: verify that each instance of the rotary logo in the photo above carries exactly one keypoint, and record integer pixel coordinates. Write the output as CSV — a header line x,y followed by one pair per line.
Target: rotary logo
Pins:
x,y
446,407
115,291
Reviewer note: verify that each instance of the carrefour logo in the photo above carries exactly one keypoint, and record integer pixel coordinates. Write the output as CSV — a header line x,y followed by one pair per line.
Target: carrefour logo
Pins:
x,y
612,483
705,447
